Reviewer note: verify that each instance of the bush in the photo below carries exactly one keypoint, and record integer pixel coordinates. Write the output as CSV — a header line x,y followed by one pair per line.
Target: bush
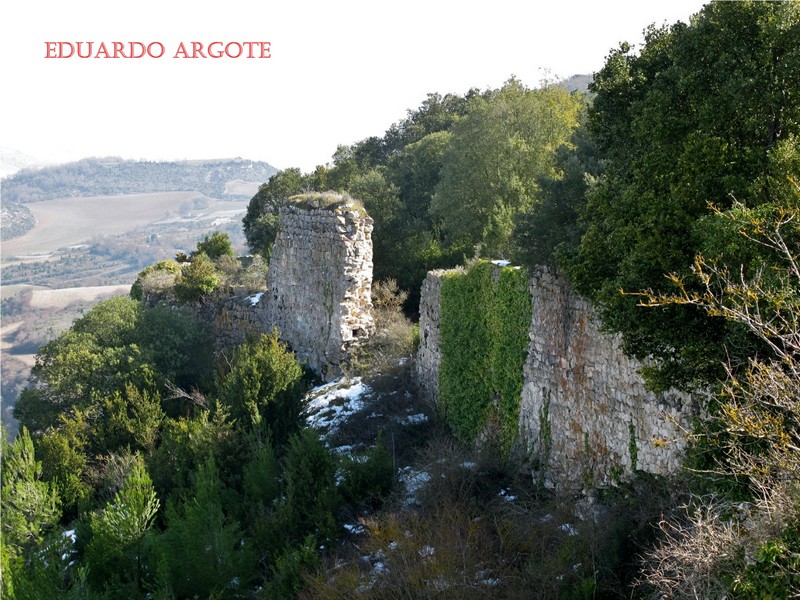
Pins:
x,y
215,246
264,387
368,478
197,279
392,343
156,281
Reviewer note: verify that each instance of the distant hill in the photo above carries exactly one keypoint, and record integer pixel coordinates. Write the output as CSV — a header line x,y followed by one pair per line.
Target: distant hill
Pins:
x,y
12,161
577,83
110,176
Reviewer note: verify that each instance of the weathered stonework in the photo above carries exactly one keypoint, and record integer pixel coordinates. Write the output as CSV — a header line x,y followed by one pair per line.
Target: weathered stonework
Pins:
x,y
237,318
318,290
429,356
320,279
585,415
601,417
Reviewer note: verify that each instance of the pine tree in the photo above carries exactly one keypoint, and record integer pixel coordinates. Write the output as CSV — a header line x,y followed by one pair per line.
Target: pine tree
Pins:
x,y
203,548
30,507
116,553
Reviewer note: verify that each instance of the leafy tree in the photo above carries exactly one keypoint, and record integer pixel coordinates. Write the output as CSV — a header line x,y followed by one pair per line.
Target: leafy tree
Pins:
x,y
264,387
112,321
95,358
407,243
415,170
261,220
215,245
177,345
117,345
495,157
704,113
116,552
551,226
436,113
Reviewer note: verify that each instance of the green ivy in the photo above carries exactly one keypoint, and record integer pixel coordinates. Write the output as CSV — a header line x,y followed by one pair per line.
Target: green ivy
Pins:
x,y
464,374
485,317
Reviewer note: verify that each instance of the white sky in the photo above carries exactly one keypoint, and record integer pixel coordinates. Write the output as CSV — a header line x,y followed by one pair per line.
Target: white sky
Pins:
x,y
340,70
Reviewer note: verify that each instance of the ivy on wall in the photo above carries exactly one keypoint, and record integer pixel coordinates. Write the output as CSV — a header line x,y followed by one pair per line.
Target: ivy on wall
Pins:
x,y
485,317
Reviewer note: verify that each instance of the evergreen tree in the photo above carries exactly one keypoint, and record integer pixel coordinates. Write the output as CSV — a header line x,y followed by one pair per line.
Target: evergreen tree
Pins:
x,y
264,387
116,553
30,505
705,113
203,548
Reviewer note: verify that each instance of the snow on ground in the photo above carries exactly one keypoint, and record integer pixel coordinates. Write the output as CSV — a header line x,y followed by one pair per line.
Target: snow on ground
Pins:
x,y
354,529
331,404
413,480
255,298
507,495
412,419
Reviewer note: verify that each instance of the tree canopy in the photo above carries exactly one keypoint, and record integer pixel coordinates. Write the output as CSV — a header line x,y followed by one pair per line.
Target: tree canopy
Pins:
x,y
706,113
497,154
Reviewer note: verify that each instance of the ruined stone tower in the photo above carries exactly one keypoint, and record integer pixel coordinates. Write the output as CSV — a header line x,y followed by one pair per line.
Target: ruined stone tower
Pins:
x,y
320,277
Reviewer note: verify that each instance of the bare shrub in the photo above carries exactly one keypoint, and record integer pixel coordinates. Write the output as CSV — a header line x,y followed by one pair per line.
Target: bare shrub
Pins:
x,y
703,552
392,343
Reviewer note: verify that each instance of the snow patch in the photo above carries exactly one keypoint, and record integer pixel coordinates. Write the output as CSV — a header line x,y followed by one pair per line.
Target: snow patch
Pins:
x,y
413,480
507,495
568,529
354,529
255,298
413,419
331,404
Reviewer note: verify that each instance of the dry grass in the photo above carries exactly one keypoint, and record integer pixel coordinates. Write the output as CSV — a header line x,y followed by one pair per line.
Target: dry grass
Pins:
x,y
332,201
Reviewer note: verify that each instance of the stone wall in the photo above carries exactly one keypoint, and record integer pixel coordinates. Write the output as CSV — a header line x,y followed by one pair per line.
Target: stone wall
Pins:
x,y
585,414
429,356
236,318
601,417
320,279
318,288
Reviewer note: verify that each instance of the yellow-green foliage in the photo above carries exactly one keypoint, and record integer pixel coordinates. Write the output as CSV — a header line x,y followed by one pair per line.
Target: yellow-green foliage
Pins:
x,y
485,316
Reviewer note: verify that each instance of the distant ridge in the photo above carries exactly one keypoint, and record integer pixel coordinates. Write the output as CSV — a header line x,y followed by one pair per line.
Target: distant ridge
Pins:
x,y
110,176
12,161
579,83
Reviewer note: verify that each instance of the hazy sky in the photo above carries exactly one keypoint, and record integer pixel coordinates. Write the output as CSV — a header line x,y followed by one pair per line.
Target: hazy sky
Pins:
x,y
340,70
